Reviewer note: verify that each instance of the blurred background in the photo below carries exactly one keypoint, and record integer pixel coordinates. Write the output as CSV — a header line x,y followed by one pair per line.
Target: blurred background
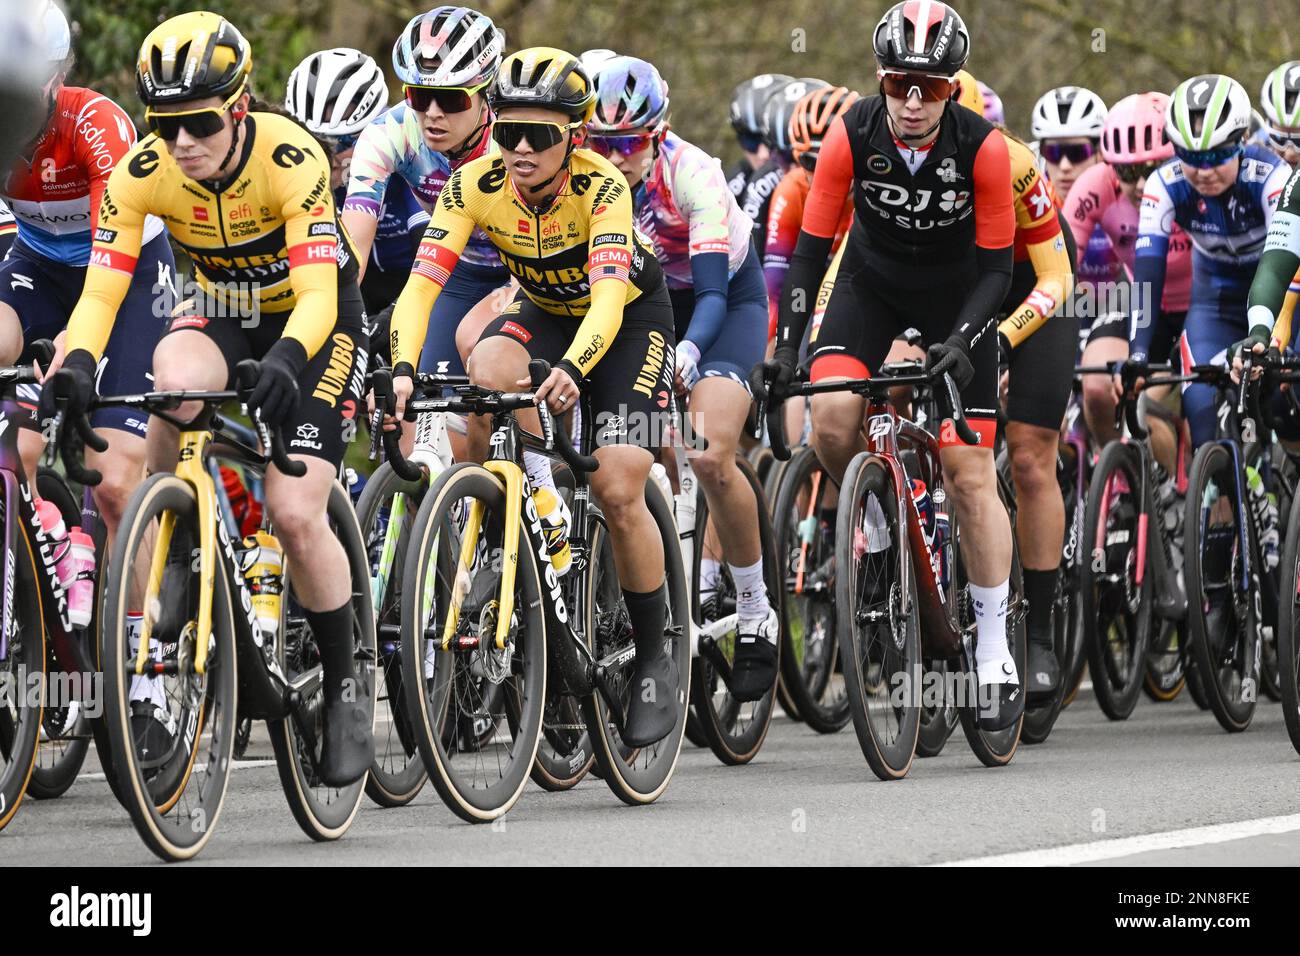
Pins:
x,y
704,48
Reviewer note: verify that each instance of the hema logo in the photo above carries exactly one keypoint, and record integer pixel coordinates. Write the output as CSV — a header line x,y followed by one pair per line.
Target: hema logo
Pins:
x,y
77,909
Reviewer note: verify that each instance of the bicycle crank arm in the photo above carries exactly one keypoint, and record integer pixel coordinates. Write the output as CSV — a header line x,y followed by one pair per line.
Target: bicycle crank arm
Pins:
x,y
713,654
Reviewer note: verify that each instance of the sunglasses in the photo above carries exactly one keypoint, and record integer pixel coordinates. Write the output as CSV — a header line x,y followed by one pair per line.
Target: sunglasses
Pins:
x,y
198,123
749,142
541,136
1208,158
1132,173
1282,139
808,160
930,88
623,145
1075,152
450,99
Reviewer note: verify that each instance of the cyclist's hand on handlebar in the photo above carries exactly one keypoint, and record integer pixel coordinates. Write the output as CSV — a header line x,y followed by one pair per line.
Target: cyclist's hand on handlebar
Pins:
x,y
403,387
772,379
1131,375
275,395
559,391
56,361
74,383
1256,343
953,357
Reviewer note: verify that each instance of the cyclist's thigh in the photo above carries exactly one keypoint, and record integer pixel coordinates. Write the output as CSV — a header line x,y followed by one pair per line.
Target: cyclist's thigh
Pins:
x,y
857,329
468,286
631,387
1206,337
201,344
40,292
1042,374
540,335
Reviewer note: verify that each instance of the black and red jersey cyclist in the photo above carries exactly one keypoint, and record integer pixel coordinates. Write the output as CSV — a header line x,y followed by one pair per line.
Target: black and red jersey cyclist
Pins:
x,y
930,248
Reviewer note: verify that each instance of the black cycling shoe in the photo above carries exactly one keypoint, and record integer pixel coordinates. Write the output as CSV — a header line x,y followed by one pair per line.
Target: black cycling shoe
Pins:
x,y
348,747
652,703
1044,671
1000,705
753,673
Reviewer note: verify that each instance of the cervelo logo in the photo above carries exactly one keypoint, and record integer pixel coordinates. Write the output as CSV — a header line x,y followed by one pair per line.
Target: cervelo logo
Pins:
x,y
544,559
76,909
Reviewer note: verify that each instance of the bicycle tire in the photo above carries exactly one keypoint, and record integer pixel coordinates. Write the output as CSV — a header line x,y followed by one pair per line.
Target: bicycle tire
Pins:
x,y
186,835
939,717
1208,649
397,775
429,543
20,719
811,687
733,740
642,775
1288,641
889,750
1117,620
325,813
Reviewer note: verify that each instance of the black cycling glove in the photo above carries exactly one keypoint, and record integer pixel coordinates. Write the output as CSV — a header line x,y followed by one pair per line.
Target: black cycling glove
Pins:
x,y
74,381
951,356
276,393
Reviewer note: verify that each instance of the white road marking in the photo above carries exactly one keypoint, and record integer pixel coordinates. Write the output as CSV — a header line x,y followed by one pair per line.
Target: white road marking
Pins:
x,y
1128,846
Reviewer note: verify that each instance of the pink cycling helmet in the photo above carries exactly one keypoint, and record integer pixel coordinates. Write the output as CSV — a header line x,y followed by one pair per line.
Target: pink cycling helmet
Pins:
x,y
993,111
1135,131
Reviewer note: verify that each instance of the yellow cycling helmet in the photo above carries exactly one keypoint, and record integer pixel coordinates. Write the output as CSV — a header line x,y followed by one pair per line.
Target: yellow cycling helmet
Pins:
x,y
545,77
966,92
190,57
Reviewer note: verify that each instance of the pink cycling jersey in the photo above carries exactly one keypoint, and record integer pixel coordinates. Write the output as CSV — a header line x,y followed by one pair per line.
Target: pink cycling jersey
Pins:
x,y
1096,200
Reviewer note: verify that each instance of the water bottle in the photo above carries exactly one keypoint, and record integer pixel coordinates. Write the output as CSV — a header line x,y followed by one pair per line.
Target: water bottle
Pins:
x,y
263,564
81,595
921,498
51,519
943,546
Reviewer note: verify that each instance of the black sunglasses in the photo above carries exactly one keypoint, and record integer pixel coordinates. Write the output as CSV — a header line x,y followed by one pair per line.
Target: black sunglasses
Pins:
x,y
541,136
450,99
1132,172
1076,153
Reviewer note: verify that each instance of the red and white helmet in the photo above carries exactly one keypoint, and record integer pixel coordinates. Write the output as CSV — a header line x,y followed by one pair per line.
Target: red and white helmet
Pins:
x,y
1135,130
921,36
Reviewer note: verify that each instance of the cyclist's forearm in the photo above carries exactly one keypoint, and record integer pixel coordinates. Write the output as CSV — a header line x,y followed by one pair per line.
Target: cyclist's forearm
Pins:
x,y
987,295
807,265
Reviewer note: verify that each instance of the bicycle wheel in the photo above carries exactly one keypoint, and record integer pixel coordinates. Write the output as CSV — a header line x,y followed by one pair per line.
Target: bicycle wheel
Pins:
x,y
735,731
880,647
1223,615
1116,609
641,775
477,748
21,668
174,792
805,543
65,730
323,812
1279,490
1166,671
771,485
385,511
1288,639
939,715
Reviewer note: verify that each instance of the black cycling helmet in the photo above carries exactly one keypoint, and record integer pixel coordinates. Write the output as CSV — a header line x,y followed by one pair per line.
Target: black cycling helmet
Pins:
x,y
922,36
780,108
749,100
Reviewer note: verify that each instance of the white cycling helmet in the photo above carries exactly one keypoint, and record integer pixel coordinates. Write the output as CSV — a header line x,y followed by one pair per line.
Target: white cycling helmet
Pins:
x,y
591,59
1068,111
1280,97
1207,112
336,92
449,47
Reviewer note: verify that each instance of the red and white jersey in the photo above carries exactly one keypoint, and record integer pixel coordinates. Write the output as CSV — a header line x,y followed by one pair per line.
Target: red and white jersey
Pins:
x,y
55,193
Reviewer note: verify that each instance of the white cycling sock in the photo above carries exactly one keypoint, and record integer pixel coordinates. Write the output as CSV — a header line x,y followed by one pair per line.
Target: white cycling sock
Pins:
x,y
538,467
709,572
145,688
751,591
992,656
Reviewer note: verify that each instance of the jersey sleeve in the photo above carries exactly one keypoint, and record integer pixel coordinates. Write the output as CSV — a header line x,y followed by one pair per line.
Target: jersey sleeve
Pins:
x,y
1273,187
311,237
123,206
995,230
832,181
1275,278
444,240
1053,281
609,262
1155,223
783,220
105,135
373,162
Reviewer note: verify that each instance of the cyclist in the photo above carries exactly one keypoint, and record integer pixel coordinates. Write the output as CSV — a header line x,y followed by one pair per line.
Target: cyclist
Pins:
x,y
55,191
1067,123
776,137
1279,98
748,101
993,111
1222,194
1270,306
446,59
1038,346
592,301
1106,198
246,193
931,247
336,94
702,240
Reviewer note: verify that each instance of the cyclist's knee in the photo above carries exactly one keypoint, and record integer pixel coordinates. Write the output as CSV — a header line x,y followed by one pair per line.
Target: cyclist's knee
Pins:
x,y
969,475
1033,463
11,335
498,363
717,466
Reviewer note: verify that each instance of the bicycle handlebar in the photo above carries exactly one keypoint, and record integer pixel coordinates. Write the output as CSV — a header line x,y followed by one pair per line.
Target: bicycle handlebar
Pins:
x,y
386,403
538,370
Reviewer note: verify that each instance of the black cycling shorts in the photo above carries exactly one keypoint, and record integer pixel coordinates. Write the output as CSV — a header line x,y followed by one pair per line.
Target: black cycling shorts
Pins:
x,y
1041,373
868,309
330,387
630,389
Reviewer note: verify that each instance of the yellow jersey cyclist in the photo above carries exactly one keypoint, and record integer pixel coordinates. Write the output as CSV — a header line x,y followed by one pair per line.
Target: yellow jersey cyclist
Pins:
x,y
246,193
715,283
592,302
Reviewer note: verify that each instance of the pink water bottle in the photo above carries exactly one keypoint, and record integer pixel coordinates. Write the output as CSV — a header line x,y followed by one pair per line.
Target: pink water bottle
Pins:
x,y
81,596
51,519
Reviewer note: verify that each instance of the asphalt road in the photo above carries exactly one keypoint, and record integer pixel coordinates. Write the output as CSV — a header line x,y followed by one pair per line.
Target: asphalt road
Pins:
x,y
1165,787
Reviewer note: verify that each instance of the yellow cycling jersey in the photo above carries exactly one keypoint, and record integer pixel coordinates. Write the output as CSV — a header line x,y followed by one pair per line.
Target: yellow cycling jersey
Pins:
x,y
580,258
267,240
1040,240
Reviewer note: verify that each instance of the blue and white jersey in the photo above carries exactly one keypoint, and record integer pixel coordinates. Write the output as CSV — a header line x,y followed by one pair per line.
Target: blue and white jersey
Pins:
x,y
1228,230
401,223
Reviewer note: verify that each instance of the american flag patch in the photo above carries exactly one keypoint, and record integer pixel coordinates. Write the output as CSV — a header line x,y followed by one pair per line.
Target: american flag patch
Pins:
x,y
431,271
